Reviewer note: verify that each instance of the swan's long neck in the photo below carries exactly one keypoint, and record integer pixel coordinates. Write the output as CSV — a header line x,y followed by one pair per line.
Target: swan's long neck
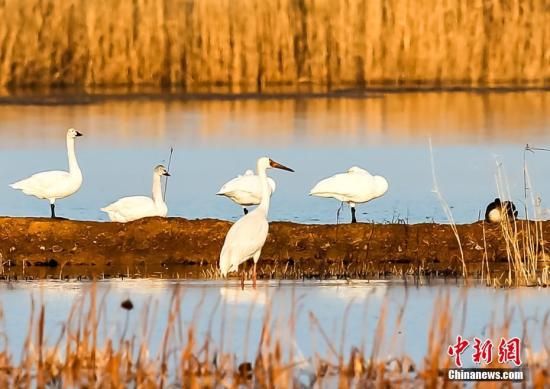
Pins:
x,y
157,189
73,164
266,190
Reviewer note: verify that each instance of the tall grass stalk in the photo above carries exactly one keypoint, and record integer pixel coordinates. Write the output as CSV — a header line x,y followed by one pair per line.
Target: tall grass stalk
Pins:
x,y
189,358
523,238
447,210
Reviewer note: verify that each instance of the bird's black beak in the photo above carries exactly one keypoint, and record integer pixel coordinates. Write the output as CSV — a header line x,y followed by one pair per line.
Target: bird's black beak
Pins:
x,y
277,165
166,174
78,133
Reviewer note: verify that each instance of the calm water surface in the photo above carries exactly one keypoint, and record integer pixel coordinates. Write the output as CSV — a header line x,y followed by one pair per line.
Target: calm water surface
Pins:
x,y
216,140
348,312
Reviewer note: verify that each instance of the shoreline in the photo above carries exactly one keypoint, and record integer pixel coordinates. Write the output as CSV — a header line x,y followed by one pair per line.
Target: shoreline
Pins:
x,y
67,96
41,248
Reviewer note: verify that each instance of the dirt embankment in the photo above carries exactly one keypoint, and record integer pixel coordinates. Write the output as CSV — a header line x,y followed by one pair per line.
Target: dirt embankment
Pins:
x,y
175,247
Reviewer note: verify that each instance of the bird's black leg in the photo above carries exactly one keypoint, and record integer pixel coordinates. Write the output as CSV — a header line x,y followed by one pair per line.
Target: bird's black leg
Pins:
x,y
245,211
353,219
52,207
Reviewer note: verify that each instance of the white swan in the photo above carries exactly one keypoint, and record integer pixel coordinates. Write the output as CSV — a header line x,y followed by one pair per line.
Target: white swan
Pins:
x,y
245,190
136,207
53,185
245,239
353,187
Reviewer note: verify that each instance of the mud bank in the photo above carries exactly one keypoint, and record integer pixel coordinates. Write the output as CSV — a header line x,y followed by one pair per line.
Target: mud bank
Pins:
x,y
176,247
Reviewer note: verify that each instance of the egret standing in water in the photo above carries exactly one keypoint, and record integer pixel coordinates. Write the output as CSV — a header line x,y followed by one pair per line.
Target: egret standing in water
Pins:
x,y
55,184
246,238
353,187
245,190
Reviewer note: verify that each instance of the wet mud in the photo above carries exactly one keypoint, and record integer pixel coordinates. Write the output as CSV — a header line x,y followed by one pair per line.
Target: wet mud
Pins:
x,y
33,248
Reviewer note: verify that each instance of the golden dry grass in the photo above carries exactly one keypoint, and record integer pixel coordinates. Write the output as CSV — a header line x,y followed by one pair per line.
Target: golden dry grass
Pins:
x,y
78,358
256,43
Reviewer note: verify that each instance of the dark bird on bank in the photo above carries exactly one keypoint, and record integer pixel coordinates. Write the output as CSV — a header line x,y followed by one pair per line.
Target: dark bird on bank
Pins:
x,y
498,210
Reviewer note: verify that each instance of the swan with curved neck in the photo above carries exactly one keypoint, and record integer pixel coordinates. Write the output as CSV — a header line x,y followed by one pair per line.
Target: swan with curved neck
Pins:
x,y
356,186
245,190
54,185
136,207
246,238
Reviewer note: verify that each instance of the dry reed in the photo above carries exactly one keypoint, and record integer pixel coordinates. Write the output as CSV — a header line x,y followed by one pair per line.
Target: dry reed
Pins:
x,y
524,239
252,44
79,359
447,210
525,245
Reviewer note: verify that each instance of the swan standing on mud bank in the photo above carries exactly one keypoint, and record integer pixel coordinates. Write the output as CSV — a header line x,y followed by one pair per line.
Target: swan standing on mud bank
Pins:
x,y
353,187
136,207
245,190
246,238
55,184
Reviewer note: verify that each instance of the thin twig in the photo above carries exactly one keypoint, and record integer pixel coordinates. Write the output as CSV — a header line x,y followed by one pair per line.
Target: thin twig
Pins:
x,y
446,208
168,169
532,149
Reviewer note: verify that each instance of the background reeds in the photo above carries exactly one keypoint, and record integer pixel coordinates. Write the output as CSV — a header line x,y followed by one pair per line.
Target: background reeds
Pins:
x,y
252,44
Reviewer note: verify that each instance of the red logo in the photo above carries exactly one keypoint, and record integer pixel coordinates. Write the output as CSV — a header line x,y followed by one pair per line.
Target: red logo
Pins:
x,y
457,349
509,351
483,351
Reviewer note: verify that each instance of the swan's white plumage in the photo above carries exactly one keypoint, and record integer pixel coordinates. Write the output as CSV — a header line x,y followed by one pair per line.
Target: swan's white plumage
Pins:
x,y
55,184
245,239
355,186
245,189
132,208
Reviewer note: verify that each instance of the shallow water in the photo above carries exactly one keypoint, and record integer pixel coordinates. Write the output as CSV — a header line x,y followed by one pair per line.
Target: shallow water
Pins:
x,y
215,140
347,312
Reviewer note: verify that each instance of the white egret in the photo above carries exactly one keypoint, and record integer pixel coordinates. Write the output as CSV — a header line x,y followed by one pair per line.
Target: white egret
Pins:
x,y
498,211
246,238
353,187
136,207
245,190
55,184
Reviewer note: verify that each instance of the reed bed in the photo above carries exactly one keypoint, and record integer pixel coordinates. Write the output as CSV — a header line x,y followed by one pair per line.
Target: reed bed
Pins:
x,y
187,356
252,44
526,247
527,251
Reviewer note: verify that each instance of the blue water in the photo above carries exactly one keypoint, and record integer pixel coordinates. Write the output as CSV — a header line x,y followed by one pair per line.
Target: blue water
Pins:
x,y
348,313
216,140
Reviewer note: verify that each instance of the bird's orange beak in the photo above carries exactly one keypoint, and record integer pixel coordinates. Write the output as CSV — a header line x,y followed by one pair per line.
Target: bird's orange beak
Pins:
x,y
277,165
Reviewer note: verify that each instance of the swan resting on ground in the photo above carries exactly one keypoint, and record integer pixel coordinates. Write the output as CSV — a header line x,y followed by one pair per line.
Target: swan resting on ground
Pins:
x,y
136,207
55,184
354,187
245,190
